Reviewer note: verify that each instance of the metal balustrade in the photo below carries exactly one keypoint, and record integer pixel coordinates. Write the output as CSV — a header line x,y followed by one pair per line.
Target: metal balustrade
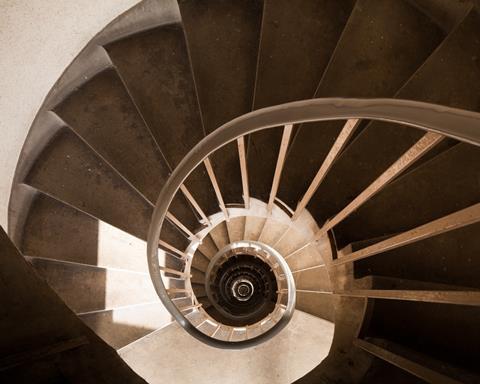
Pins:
x,y
437,121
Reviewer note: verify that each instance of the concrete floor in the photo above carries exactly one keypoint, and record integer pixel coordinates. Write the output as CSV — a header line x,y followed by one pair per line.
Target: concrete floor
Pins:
x,y
38,39
170,355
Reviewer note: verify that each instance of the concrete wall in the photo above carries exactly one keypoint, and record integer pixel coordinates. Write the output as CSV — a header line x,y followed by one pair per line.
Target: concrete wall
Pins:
x,y
38,39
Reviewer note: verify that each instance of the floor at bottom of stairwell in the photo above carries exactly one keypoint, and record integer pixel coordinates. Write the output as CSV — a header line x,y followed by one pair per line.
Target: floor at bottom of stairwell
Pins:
x,y
170,355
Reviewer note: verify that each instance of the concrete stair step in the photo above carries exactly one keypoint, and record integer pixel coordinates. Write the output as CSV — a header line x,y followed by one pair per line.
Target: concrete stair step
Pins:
x,y
219,235
446,15
349,315
392,140
121,326
290,65
291,241
412,365
236,228
272,231
86,288
40,330
200,261
182,301
448,258
146,62
57,231
253,227
222,41
198,277
382,45
71,172
317,303
306,257
420,197
176,283
378,282
199,290
416,326
112,125
208,247
67,169
112,118
313,279
356,245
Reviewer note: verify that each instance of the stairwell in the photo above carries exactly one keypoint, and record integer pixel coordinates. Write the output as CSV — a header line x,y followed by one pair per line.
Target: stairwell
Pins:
x,y
375,223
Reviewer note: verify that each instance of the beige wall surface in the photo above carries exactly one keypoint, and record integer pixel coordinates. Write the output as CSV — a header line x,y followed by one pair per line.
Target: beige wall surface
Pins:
x,y
38,39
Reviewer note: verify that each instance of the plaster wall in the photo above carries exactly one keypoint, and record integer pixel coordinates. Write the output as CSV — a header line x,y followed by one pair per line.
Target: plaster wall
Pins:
x,y
38,39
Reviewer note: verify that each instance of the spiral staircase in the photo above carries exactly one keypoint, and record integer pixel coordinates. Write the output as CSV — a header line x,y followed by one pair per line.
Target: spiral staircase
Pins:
x,y
350,193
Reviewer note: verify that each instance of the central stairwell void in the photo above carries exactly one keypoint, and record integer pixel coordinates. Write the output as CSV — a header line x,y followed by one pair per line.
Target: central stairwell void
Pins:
x,y
303,176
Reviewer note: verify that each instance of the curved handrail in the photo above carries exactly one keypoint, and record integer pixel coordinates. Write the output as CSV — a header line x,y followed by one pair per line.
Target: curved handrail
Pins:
x,y
455,123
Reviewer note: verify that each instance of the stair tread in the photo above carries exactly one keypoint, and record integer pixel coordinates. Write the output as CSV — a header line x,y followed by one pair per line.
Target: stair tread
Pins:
x,y
121,326
70,171
313,279
208,247
236,228
155,67
198,277
290,65
420,197
417,326
57,231
385,283
291,241
381,371
431,370
86,288
199,290
272,231
307,257
200,261
253,227
318,304
219,235
222,39
156,70
102,113
446,15
457,89
382,45
449,258
37,326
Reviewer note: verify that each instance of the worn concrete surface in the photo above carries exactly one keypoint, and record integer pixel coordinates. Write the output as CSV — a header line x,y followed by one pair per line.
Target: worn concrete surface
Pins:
x,y
170,355
38,39
86,288
121,326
